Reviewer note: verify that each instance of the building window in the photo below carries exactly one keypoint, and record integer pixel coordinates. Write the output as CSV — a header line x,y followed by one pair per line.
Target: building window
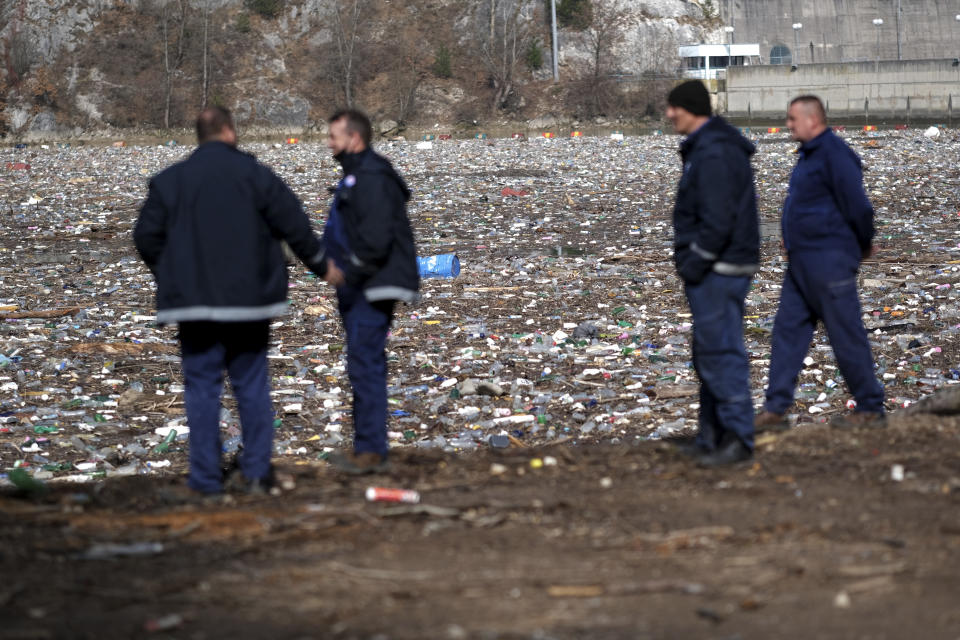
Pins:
x,y
780,55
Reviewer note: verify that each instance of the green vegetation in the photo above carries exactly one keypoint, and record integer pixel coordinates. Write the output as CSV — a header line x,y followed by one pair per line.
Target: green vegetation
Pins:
x,y
574,14
243,23
443,62
266,8
534,55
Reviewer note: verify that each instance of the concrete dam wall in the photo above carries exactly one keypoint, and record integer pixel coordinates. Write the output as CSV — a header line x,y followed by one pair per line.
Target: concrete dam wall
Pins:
x,y
891,91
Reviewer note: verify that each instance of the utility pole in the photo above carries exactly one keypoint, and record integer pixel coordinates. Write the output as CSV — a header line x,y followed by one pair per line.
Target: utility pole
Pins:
x,y
553,27
878,22
899,49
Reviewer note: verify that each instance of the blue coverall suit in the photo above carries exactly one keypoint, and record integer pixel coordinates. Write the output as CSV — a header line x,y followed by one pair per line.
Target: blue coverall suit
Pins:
x,y
210,231
716,248
368,236
827,229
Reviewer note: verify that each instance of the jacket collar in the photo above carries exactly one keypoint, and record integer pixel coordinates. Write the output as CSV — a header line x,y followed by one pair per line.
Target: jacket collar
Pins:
x,y
211,145
350,161
688,143
813,145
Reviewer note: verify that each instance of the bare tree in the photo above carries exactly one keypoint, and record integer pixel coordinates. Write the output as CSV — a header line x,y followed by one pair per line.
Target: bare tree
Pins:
x,y
172,18
405,60
348,23
18,54
502,48
206,7
659,51
602,35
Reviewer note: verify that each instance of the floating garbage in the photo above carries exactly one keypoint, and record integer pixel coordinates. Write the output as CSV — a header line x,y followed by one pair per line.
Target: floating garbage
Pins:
x,y
443,266
569,325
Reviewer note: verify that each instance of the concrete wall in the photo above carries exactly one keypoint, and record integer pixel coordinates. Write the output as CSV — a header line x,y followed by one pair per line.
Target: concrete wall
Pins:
x,y
892,91
843,31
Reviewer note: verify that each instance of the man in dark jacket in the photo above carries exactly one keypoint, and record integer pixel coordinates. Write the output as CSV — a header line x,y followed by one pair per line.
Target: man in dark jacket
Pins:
x,y
371,260
716,249
210,231
827,230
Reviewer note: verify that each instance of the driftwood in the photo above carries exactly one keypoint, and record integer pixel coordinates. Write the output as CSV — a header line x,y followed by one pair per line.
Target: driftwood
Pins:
x,y
123,348
942,403
46,313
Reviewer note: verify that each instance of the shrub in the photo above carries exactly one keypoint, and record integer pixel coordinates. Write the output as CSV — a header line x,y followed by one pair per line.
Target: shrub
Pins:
x,y
534,55
266,8
443,62
574,14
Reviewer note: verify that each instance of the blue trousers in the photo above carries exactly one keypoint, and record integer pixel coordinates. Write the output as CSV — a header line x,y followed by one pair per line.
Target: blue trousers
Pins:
x,y
207,348
367,324
821,285
720,358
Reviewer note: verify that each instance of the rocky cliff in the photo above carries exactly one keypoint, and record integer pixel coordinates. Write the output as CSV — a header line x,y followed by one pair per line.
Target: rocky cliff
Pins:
x,y
74,67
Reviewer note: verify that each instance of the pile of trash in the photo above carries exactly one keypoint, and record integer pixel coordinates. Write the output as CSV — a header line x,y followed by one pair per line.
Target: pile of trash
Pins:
x,y
562,319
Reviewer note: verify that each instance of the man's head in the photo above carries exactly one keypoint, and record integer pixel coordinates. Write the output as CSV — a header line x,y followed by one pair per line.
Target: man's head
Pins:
x,y
688,106
806,118
216,123
350,132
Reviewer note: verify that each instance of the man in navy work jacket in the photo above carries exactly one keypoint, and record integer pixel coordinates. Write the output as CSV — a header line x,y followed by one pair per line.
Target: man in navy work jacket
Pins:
x,y
827,230
371,259
210,231
716,249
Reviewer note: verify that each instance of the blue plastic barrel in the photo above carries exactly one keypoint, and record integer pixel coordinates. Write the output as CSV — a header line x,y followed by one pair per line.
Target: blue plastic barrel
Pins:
x,y
446,265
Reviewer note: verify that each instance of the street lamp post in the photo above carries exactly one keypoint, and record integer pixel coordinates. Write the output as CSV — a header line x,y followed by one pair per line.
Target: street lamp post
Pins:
x,y
553,32
729,32
796,42
878,22
899,48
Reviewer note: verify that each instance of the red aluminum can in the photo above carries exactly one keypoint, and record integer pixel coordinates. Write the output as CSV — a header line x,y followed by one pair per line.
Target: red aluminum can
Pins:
x,y
384,494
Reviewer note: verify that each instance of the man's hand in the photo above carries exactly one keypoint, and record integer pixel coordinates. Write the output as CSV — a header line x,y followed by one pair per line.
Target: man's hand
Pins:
x,y
334,275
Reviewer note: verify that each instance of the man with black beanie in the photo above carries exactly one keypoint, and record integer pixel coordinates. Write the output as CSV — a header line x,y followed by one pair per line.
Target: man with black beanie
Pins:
x,y
716,250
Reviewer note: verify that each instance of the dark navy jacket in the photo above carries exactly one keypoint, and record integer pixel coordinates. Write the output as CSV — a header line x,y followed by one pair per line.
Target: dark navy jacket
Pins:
x,y
368,233
715,217
826,207
210,231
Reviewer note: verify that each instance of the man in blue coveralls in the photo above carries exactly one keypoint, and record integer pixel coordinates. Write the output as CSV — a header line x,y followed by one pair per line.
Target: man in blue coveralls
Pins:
x,y
716,249
827,230
210,231
371,259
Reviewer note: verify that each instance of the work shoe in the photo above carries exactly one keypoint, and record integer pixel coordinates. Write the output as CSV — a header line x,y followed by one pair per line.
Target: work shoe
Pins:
x,y
770,421
731,451
181,493
687,446
236,482
860,420
358,464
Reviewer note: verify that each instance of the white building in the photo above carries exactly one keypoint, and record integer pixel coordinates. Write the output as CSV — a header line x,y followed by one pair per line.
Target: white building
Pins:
x,y
705,61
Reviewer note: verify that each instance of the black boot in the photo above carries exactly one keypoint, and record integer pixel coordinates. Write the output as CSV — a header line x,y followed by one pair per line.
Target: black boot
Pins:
x,y
730,451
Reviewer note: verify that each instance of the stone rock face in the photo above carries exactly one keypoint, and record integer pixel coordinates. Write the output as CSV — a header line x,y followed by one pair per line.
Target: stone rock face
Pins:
x,y
279,96
543,122
43,122
652,32
274,108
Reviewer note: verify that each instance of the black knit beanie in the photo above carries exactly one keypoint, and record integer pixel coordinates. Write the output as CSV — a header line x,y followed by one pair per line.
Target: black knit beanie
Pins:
x,y
692,96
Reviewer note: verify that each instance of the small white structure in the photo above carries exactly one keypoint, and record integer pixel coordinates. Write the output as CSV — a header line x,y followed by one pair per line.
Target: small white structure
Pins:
x,y
706,61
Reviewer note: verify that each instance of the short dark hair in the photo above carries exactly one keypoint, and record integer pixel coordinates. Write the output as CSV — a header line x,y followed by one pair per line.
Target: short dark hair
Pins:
x,y
814,103
357,122
212,121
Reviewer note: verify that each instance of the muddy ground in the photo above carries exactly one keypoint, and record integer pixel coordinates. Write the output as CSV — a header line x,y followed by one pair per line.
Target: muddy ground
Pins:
x,y
588,526
812,540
